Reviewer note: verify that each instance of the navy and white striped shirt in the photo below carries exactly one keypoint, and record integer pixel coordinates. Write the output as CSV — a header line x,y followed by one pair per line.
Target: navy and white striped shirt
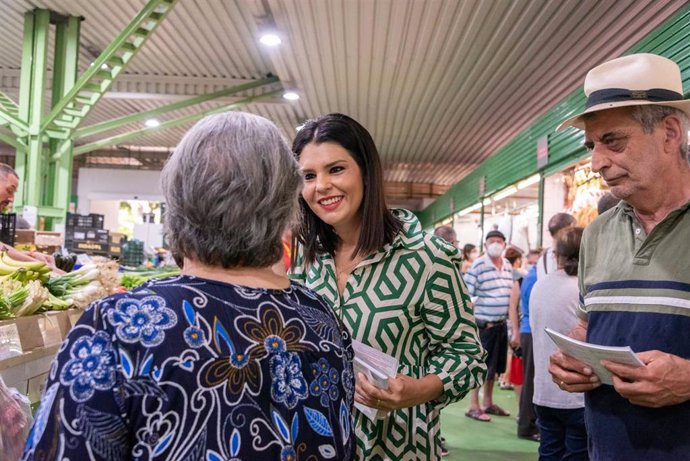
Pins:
x,y
490,288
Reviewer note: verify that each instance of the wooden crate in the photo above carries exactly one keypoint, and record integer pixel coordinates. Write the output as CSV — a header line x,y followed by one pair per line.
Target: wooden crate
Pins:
x,y
48,239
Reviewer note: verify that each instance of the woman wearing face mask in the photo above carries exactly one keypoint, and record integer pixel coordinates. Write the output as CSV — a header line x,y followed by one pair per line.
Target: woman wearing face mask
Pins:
x,y
469,254
396,288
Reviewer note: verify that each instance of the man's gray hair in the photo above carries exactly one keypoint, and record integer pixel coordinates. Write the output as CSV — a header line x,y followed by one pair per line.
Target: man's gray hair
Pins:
x,y
6,170
231,188
649,116
447,233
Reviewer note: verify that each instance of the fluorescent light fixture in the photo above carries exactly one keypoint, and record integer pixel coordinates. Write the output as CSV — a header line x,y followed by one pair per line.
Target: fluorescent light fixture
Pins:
x,y
152,123
291,96
487,201
270,40
469,210
507,192
529,181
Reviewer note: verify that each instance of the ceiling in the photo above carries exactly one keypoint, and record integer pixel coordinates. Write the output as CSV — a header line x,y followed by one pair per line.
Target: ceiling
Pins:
x,y
441,84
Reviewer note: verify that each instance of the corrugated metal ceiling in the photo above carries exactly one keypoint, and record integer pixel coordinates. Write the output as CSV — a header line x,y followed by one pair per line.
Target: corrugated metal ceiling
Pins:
x,y
441,84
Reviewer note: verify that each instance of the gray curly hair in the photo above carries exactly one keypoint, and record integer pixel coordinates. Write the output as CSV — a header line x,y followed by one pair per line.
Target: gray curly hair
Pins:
x,y
231,189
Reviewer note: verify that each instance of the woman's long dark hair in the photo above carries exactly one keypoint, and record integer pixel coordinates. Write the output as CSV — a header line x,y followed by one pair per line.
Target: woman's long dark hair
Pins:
x,y
379,226
568,249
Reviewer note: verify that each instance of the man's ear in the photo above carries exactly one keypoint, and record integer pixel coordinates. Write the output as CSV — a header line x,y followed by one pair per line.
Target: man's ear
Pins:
x,y
673,133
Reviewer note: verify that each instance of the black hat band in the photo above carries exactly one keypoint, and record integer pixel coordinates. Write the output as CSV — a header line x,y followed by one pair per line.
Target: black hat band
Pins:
x,y
619,94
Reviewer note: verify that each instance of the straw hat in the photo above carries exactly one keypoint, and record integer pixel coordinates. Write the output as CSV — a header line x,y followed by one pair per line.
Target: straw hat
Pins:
x,y
635,80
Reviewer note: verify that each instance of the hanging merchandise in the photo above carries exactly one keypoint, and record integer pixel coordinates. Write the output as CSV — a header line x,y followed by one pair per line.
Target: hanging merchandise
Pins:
x,y
584,189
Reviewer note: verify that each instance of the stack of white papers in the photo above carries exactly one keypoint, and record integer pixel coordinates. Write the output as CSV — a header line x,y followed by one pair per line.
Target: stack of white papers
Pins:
x,y
593,354
377,367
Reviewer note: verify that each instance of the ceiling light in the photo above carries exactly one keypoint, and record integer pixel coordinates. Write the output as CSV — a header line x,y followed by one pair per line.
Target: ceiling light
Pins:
x,y
270,40
291,96
152,123
469,210
507,192
529,181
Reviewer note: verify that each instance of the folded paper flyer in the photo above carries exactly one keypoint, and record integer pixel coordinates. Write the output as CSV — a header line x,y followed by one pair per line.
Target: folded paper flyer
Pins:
x,y
377,367
593,354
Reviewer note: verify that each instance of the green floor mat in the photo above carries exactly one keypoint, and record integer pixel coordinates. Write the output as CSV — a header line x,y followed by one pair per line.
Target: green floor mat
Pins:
x,y
470,440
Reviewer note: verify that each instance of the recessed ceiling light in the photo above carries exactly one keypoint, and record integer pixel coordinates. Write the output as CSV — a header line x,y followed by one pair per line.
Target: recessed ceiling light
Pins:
x,y
270,40
291,96
152,123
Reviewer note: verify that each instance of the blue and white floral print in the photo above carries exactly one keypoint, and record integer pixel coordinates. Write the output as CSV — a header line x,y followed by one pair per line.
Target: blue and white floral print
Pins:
x,y
143,321
230,381
325,383
288,384
91,366
194,337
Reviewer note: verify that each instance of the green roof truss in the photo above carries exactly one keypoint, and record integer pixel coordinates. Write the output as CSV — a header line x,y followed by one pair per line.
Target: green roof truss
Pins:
x,y
127,119
117,139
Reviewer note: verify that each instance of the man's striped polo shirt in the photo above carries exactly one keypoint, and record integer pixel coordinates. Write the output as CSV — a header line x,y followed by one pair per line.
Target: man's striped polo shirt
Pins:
x,y
490,288
635,291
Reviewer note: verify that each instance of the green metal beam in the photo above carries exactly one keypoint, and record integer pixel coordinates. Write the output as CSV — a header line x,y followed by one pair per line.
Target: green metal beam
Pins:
x,y
51,212
127,119
68,113
12,141
170,123
30,161
24,98
9,111
65,71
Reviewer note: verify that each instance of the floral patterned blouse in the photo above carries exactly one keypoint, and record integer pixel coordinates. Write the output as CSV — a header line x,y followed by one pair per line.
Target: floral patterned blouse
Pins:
x,y
188,369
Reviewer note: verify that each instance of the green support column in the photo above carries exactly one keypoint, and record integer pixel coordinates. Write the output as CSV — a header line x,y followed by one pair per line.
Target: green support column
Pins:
x,y
481,227
65,70
24,99
540,215
30,162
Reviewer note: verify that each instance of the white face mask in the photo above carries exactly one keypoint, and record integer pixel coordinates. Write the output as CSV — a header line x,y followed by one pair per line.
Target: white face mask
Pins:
x,y
494,250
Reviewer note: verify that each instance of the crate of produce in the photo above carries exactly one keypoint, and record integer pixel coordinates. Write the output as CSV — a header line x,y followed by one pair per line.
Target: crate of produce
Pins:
x,y
48,239
87,246
133,253
90,234
90,220
8,226
115,249
24,236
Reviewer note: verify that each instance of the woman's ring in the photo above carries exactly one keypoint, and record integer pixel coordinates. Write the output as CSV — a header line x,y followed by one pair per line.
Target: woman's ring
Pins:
x,y
562,384
378,402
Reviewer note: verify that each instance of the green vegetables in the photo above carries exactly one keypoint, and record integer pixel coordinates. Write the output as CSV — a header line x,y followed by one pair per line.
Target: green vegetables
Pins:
x,y
131,280
64,262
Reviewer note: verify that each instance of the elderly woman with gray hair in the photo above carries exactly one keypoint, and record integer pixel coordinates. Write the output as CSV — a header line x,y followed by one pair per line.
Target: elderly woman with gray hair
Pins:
x,y
228,360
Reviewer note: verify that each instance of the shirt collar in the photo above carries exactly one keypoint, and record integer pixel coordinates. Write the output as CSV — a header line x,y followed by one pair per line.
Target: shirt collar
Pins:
x,y
409,238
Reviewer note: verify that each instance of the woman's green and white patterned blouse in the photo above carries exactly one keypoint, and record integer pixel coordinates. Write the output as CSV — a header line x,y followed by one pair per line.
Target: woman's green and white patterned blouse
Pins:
x,y
408,300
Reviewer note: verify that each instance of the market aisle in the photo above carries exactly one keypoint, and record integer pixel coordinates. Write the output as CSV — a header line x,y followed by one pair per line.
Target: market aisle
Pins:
x,y
470,440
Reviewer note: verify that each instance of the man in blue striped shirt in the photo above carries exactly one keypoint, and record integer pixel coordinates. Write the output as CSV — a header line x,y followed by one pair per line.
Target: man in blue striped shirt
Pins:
x,y
634,273
490,284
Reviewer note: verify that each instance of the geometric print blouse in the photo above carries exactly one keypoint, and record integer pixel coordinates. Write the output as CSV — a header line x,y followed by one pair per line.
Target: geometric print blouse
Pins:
x,y
191,369
408,300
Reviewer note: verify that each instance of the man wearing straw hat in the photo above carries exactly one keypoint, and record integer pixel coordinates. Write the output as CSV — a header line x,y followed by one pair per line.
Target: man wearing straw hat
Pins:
x,y
635,262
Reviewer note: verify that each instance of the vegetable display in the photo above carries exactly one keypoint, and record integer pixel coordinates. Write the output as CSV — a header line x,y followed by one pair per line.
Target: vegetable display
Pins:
x,y
28,287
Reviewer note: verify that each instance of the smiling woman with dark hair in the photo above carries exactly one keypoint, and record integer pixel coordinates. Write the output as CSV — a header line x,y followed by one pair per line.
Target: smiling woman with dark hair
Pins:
x,y
230,360
396,288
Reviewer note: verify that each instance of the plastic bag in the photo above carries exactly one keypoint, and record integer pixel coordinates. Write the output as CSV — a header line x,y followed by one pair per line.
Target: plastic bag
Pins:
x,y
15,422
